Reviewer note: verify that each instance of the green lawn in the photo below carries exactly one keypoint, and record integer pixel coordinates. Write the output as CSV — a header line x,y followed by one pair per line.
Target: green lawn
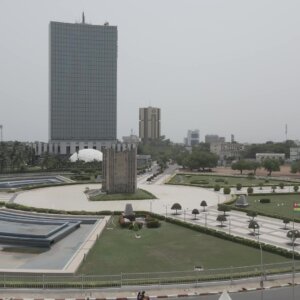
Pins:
x,y
139,195
280,206
168,248
211,180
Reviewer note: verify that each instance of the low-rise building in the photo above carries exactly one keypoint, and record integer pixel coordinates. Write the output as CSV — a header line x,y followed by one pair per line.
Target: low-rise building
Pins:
x,y
294,153
262,156
214,138
226,150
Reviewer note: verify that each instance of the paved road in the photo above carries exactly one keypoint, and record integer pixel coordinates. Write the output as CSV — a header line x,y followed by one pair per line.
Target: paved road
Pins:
x,y
285,293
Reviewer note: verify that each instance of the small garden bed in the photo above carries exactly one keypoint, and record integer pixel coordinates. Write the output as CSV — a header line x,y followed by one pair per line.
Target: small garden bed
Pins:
x,y
140,194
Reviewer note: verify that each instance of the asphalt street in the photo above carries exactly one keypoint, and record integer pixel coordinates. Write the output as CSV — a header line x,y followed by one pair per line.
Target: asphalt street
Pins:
x,y
285,293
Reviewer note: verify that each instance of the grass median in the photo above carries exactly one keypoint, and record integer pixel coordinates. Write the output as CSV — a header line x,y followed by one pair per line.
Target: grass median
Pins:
x,y
168,248
140,194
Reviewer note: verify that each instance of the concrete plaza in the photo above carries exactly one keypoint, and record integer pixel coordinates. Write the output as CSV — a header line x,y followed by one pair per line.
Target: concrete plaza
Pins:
x,y
74,198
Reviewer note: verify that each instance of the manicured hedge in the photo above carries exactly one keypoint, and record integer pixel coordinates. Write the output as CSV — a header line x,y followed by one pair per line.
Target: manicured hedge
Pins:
x,y
250,190
265,200
226,190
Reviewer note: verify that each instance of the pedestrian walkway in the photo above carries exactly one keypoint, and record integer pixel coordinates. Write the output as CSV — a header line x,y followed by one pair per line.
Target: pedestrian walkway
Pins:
x,y
271,230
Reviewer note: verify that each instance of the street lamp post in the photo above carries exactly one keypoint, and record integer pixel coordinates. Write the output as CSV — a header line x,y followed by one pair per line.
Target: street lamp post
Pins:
x,y
184,212
261,267
255,226
166,206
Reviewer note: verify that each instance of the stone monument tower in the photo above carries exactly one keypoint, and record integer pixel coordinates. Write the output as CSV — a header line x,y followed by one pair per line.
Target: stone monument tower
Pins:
x,y
119,169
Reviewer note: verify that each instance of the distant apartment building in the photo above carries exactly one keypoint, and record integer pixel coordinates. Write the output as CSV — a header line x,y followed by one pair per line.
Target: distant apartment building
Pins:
x,y
226,150
213,138
294,153
193,138
83,86
262,156
149,123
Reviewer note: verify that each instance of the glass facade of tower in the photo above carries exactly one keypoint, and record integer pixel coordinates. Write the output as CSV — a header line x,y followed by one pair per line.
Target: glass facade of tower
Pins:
x,y
83,82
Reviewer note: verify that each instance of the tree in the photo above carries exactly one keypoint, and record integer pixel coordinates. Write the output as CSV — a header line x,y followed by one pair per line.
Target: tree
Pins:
x,y
254,165
176,207
239,186
217,187
203,204
221,219
199,159
285,222
195,212
283,147
252,214
274,187
224,208
281,185
271,165
296,188
293,235
254,226
241,165
226,190
261,184
250,190
295,166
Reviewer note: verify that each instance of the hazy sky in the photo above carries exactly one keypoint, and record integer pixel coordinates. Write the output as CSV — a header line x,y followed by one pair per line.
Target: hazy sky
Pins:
x,y
228,66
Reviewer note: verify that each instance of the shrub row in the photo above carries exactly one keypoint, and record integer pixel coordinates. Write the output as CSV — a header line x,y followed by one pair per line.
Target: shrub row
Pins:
x,y
279,194
154,175
81,177
199,182
56,211
151,222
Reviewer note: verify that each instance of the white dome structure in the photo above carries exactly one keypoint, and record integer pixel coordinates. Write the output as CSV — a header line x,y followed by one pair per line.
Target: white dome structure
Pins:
x,y
87,155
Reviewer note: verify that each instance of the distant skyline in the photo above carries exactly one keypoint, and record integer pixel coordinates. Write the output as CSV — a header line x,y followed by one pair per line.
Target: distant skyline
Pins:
x,y
223,67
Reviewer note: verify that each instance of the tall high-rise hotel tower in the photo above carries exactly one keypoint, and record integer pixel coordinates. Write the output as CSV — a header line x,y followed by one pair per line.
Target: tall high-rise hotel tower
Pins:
x,y
83,86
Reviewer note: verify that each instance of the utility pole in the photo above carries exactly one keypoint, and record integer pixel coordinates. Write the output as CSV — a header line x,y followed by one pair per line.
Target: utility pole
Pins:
x,y
1,133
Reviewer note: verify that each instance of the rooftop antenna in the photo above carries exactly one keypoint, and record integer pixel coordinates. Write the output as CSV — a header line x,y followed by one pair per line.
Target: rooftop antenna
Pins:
x,y
83,18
